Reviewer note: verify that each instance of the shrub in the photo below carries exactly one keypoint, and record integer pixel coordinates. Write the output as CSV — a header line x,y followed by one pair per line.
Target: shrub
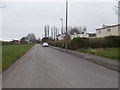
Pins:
x,y
5,43
78,43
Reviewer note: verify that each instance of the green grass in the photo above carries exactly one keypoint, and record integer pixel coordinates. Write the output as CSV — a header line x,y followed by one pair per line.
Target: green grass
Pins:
x,y
105,52
10,53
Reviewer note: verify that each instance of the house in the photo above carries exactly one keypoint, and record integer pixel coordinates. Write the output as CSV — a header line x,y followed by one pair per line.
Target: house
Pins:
x,y
113,30
92,35
60,37
86,35
24,40
83,34
15,42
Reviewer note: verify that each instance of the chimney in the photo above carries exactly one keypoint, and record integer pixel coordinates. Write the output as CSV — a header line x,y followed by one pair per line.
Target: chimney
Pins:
x,y
104,26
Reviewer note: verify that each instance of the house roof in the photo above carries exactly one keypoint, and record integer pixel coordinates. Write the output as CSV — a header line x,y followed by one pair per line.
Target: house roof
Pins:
x,y
108,27
15,41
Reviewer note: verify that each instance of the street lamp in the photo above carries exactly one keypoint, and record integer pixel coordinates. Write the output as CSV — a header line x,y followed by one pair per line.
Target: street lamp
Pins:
x,y
66,36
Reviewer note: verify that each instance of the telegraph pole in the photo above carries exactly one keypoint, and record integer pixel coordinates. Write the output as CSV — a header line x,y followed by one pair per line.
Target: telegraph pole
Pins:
x,y
66,36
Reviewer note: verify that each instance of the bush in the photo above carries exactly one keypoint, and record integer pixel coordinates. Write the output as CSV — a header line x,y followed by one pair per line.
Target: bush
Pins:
x,y
5,43
113,41
78,43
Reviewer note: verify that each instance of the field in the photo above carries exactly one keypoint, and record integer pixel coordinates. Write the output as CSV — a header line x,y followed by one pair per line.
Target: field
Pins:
x,y
10,53
105,52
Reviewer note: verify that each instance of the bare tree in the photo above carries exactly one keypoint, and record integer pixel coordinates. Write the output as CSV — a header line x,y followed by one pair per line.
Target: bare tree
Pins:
x,y
119,12
2,5
84,29
80,29
31,37
56,32
74,30
117,8
52,32
24,40
45,31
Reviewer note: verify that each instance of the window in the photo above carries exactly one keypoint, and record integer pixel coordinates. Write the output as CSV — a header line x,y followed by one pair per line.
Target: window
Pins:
x,y
98,32
118,28
108,30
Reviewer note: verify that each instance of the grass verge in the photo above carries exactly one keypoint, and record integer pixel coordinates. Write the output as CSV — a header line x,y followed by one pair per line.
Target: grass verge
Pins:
x,y
105,52
11,53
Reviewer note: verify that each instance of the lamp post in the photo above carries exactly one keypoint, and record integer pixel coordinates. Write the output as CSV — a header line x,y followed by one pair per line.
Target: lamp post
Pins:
x,y
66,36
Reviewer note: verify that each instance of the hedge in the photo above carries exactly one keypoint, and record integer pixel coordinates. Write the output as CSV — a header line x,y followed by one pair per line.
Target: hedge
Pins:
x,y
77,43
5,43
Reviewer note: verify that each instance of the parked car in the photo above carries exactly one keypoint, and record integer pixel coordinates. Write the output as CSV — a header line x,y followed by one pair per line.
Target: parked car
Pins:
x,y
45,44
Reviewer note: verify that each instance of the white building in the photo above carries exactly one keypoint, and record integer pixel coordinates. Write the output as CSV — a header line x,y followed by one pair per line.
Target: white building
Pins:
x,y
60,37
80,35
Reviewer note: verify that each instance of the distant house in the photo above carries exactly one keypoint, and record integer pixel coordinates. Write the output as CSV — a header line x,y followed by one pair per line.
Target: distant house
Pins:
x,y
60,37
24,40
86,35
15,42
113,30
82,35
46,39
92,35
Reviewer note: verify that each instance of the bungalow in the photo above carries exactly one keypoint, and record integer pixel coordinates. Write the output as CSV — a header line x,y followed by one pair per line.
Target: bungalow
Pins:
x,y
15,42
113,30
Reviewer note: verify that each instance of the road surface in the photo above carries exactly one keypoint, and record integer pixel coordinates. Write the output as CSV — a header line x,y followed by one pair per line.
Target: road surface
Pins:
x,y
44,67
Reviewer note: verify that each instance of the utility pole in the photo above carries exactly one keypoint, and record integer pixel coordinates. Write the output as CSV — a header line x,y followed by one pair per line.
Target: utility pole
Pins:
x,y
66,36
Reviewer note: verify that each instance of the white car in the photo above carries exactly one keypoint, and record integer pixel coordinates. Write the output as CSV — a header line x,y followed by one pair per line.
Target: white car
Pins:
x,y
45,44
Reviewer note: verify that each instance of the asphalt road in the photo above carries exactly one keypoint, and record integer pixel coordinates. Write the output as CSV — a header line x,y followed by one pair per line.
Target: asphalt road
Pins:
x,y
44,67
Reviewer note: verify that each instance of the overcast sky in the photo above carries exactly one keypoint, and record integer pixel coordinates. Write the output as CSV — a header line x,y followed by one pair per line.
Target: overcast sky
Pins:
x,y
20,18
